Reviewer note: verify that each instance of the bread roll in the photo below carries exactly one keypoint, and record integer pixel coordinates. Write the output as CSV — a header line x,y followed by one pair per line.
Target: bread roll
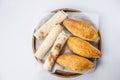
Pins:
x,y
83,48
45,28
58,45
81,29
48,42
74,62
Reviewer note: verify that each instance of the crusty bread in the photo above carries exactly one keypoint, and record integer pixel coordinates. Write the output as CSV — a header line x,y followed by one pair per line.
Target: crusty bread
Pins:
x,y
74,62
81,29
83,48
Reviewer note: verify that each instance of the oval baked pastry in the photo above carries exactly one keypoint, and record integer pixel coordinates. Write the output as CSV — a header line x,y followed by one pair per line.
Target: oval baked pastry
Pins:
x,y
83,48
74,62
81,29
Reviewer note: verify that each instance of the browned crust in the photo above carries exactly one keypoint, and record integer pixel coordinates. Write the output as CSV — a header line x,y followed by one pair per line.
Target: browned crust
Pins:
x,y
58,46
51,57
60,73
81,29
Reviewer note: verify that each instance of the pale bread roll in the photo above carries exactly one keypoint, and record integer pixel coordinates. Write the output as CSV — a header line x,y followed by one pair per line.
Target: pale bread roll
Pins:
x,y
45,28
59,43
48,42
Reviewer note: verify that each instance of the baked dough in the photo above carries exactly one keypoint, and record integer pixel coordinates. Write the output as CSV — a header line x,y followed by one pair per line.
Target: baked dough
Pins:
x,y
81,29
45,28
48,42
74,62
58,45
83,48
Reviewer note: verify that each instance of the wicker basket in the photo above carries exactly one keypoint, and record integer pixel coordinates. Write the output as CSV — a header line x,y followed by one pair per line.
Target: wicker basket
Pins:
x,y
60,73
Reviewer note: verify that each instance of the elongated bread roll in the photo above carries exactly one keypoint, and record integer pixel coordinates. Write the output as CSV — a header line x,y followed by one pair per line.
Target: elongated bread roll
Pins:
x,y
48,42
59,43
83,48
45,28
74,62
81,29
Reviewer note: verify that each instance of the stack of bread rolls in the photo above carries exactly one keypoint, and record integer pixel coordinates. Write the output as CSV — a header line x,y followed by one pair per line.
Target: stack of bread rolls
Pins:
x,y
56,38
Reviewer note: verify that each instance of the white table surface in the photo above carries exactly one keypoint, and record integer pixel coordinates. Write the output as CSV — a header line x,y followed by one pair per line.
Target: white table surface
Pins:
x,y
18,18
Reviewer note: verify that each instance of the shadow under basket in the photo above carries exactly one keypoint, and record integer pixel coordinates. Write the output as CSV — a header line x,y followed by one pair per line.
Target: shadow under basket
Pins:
x,y
61,73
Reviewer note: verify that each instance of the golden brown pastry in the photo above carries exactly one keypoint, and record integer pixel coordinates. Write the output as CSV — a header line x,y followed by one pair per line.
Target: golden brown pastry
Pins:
x,y
74,62
81,29
83,48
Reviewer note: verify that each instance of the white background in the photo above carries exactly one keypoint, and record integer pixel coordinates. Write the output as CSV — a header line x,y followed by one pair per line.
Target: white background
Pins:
x,y
18,18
